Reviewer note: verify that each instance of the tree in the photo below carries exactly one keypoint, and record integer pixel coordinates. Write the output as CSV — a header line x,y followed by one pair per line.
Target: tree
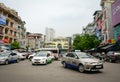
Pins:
x,y
27,48
15,45
85,42
76,43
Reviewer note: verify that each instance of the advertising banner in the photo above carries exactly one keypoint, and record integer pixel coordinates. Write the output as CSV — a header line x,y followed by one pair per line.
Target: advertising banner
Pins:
x,y
116,12
2,20
1,42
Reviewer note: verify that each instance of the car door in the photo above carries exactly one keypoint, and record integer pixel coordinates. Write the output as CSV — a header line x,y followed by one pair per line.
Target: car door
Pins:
x,y
68,58
74,60
13,56
10,57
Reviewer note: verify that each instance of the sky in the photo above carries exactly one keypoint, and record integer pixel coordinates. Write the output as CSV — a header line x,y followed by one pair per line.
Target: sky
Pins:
x,y
66,17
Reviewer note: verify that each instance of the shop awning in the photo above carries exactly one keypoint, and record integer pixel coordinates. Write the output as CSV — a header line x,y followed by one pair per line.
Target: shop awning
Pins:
x,y
106,47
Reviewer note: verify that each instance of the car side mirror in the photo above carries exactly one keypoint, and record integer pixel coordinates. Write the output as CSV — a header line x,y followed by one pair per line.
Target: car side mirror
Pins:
x,y
76,57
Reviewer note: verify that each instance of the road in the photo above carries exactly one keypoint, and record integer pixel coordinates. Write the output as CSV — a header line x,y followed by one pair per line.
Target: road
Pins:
x,y
54,72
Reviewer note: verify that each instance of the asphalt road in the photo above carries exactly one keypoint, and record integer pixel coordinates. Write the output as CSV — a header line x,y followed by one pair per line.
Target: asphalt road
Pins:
x,y
54,72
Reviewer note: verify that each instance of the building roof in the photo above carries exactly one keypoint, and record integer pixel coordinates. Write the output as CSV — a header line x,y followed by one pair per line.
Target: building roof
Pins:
x,y
97,12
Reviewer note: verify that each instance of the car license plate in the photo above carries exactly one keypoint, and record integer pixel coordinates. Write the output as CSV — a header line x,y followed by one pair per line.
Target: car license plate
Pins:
x,y
98,66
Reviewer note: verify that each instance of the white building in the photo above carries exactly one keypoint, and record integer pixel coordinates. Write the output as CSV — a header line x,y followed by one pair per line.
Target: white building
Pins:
x,y
107,29
50,34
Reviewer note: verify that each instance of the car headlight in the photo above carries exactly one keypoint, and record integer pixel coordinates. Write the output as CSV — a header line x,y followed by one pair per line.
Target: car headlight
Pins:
x,y
89,63
100,62
3,59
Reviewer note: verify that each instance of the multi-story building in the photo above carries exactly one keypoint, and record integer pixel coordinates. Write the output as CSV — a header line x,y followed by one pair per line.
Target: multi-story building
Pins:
x,y
35,40
11,26
22,35
89,29
50,34
98,24
107,29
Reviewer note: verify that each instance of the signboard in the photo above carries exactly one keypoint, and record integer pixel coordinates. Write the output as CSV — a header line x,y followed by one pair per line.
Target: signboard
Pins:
x,y
2,20
116,12
1,42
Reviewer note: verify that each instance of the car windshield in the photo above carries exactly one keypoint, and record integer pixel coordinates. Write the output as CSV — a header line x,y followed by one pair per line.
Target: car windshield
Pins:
x,y
43,54
84,55
3,54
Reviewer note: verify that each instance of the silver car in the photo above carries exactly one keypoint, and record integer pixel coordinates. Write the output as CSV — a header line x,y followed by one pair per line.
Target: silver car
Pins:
x,y
8,57
82,61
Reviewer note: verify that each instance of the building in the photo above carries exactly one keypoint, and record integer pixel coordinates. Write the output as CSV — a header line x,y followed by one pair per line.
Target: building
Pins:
x,y
50,34
107,29
116,19
89,29
11,27
98,24
34,40
60,43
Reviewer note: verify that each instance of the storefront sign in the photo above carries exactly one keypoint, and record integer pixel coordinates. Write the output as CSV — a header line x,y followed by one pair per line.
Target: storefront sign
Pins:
x,y
1,42
116,12
119,38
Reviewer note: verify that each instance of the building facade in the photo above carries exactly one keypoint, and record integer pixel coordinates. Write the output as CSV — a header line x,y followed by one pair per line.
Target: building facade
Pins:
x,y
11,27
116,19
89,29
59,42
34,40
50,34
98,24
107,29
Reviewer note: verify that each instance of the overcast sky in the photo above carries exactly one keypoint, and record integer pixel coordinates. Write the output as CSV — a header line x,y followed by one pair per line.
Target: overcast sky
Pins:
x,y
66,17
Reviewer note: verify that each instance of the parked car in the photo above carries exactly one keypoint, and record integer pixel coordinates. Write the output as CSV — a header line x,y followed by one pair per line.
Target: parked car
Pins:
x,y
100,56
82,61
21,56
8,57
42,57
112,56
31,56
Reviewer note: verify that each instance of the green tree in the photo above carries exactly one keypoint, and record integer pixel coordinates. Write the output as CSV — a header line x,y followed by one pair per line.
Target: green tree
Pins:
x,y
85,42
15,45
76,42
27,47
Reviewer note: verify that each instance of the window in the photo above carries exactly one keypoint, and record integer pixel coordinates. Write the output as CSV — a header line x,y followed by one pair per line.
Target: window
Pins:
x,y
13,54
11,24
7,22
70,55
6,31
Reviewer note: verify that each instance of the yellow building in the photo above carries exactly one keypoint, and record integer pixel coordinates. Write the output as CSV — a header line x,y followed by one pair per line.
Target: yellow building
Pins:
x,y
60,43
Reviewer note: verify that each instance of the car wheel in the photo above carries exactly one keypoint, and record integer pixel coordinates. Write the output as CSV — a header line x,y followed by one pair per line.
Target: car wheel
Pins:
x,y
64,65
110,60
6,62
51,61
30,58
33,64
17,60
81,68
